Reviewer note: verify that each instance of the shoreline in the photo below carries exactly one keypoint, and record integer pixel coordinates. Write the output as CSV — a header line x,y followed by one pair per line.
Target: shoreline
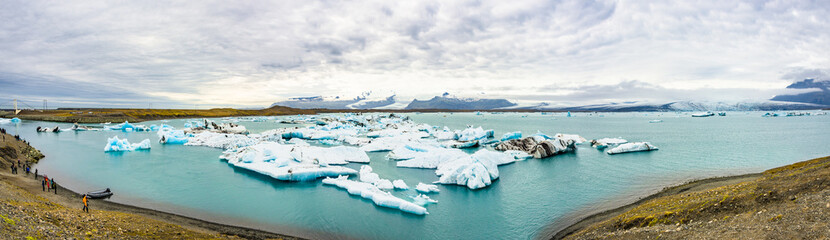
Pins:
x,y
72,200
549,232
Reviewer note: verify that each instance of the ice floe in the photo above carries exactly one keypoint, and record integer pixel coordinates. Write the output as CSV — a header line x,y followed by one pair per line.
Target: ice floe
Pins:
x,y
378,196
475,171
632,147
400,184
426,188
537,146
607,142
114,144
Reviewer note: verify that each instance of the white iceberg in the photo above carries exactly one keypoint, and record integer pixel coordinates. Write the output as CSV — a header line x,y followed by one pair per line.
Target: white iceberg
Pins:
x,y
471,134
400,184
123,145
367,176
426,188
294,162
607,142
632,147
422,200
475,171
432,158
220,140
378,197
576,138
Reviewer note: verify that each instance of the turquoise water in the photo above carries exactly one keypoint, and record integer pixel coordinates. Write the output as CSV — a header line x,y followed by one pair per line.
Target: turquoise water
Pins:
x,y
528,196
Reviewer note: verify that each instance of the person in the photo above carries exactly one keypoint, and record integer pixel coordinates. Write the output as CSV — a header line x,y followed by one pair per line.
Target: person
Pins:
x,y
86,206
35,174
27,170
52,183
43,184
55,186
46,179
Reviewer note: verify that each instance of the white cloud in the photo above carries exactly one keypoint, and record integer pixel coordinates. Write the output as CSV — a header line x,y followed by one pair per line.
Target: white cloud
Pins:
x,y
254,52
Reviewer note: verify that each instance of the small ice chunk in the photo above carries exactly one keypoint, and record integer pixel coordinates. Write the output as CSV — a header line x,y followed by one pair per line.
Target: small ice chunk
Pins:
x,y
426,188
400,184
632,147
423,200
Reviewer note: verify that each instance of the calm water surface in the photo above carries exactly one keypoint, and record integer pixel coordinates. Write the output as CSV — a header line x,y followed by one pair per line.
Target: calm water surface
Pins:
x,y
528,196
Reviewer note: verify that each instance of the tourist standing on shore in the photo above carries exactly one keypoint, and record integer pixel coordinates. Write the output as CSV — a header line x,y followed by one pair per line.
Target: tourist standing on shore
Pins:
x,y
43,184
86,207
52,183
55,186
35,174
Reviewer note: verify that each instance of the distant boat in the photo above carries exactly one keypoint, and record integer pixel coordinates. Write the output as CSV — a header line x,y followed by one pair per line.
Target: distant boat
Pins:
x,y
706,114
722,114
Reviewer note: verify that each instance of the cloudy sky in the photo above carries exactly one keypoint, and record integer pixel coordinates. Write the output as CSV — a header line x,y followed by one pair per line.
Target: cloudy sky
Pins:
x,y
252,53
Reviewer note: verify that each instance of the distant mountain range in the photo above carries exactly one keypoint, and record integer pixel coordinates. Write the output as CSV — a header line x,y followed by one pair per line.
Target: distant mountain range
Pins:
x,y
811,100
364,101
820,96
447,101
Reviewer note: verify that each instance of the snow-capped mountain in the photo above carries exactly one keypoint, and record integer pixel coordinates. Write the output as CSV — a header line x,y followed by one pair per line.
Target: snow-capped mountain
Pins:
x,y
820,96
691,106
364,101
447,101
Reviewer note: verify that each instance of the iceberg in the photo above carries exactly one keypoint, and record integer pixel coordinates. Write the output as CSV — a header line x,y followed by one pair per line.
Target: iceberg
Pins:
x,y
298,142
123,145
390,143
445,134
460,144
423,200
432,157
518,155
471,134
15,120
576,138
426,188
476,171
400,184
632,147
607,142
171,136
511,135
211,126
367,176
537,146
378,197
220,140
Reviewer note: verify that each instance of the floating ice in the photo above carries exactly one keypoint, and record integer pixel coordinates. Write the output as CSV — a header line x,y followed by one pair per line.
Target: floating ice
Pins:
x,y
292,163
389,143
379,197
171,136
127,127
471,134
400,184
426,188
367,176
607,142
220,140
511,135
576,138
211,126
537,147
15,120
423,200
459,144
123,145
632,147
476,171
298,142
518,155
431,158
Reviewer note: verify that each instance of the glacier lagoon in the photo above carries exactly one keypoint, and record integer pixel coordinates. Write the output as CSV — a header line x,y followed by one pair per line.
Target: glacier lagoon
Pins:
x,y
528,196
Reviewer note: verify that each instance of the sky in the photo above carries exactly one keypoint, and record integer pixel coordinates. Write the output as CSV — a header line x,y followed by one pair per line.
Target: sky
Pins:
x,y
253,53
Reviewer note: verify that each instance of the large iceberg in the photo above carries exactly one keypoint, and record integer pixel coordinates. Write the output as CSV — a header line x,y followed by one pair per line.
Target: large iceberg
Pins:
x,y
123,145
475,171
128,127
211,126
632,147
537,147
379,197
367,176
429,157
510,136
576,138
220,140
295,162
